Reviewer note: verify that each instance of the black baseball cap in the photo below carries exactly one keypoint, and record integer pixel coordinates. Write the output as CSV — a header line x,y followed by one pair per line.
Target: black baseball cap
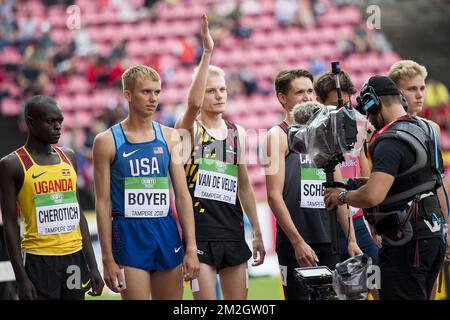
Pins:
x,y
383,86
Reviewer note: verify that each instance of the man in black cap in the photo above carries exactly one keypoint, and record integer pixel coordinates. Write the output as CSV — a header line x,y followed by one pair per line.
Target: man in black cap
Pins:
x,y
400,193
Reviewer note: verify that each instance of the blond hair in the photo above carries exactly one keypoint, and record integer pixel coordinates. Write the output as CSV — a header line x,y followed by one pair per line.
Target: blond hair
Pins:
x,y
405,70
212,70
130,76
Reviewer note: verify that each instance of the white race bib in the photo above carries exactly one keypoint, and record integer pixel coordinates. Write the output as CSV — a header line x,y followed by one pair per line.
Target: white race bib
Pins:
x,y
216,180
57,212
312,189
146,197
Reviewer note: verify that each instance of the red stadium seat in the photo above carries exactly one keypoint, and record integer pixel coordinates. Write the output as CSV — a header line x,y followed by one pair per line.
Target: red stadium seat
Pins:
x,y
10,107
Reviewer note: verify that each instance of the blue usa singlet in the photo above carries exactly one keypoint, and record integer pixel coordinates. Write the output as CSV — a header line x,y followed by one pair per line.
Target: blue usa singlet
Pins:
x,y
144,233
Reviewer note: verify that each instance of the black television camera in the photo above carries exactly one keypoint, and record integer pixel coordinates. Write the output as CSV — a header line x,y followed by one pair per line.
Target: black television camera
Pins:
x,y
347,282
327,136
330,133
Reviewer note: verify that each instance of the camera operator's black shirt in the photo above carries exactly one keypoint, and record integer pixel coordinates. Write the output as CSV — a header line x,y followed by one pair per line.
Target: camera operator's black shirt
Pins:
x,y
394,157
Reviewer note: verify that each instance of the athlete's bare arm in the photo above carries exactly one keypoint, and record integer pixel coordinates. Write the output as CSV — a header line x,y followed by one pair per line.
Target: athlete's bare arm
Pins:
x,y
275,149
198,86
97,281
247,197
10,185
345,220
103,153
183,202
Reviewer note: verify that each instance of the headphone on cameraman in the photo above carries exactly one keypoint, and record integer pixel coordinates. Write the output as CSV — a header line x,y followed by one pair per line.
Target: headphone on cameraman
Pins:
x,y
368,100
403,101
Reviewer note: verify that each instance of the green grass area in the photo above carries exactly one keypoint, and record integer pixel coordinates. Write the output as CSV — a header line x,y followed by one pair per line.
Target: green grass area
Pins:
x,y
261,288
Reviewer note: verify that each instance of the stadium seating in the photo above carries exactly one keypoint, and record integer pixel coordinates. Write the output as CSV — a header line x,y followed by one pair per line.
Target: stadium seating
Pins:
x,y
268,49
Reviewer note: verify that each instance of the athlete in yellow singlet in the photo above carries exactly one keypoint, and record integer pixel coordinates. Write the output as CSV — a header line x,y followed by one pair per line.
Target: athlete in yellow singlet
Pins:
x,y
55,259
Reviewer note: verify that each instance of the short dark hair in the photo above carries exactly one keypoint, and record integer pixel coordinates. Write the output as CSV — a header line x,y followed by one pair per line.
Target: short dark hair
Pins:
x,y
390,100
284,78
37,102
325,84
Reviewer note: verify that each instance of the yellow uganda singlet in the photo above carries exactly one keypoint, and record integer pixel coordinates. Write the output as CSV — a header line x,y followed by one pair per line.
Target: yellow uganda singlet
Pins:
x,y
49,206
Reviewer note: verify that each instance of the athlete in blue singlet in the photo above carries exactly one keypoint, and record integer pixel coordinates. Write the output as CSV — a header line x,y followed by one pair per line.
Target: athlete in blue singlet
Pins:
x,y
141,248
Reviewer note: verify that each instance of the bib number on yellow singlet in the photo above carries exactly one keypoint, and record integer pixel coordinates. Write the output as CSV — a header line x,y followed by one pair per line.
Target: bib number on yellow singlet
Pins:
x,y
57,213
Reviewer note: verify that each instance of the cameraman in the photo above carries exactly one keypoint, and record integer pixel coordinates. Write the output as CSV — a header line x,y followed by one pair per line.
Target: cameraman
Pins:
x,y
303,233
409,77
352,167
401,194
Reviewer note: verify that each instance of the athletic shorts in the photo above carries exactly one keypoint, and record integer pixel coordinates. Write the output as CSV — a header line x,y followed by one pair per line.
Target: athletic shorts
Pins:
x,y
151,244
58,277
223,254
293,288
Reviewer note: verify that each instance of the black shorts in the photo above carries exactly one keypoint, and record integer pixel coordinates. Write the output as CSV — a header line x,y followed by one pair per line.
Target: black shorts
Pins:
x,y
223,254
292,287
58,277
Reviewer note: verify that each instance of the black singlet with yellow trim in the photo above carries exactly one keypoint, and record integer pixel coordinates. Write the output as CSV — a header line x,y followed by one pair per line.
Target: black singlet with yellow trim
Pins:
x,y
303,195
211,176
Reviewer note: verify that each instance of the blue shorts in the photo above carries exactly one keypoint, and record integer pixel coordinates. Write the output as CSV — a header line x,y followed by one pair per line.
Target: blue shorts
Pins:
x,y
151,244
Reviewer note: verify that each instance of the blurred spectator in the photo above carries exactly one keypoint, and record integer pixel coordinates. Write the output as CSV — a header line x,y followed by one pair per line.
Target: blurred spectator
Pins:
x,y
248,80
360,39
83,43
7,23
228,9
437,94
118,50
241,31
63,61
305,14
167,115
318,7
185,50
219,25
26,29
115,73
344,44
285,11
317,66
125,11
150,3
250,7
378,43
30,76
235,87
151,10
97,72
45,41
153,60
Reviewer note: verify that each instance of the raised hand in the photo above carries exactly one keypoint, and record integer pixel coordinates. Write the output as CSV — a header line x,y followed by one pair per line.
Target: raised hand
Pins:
x,y
207,41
